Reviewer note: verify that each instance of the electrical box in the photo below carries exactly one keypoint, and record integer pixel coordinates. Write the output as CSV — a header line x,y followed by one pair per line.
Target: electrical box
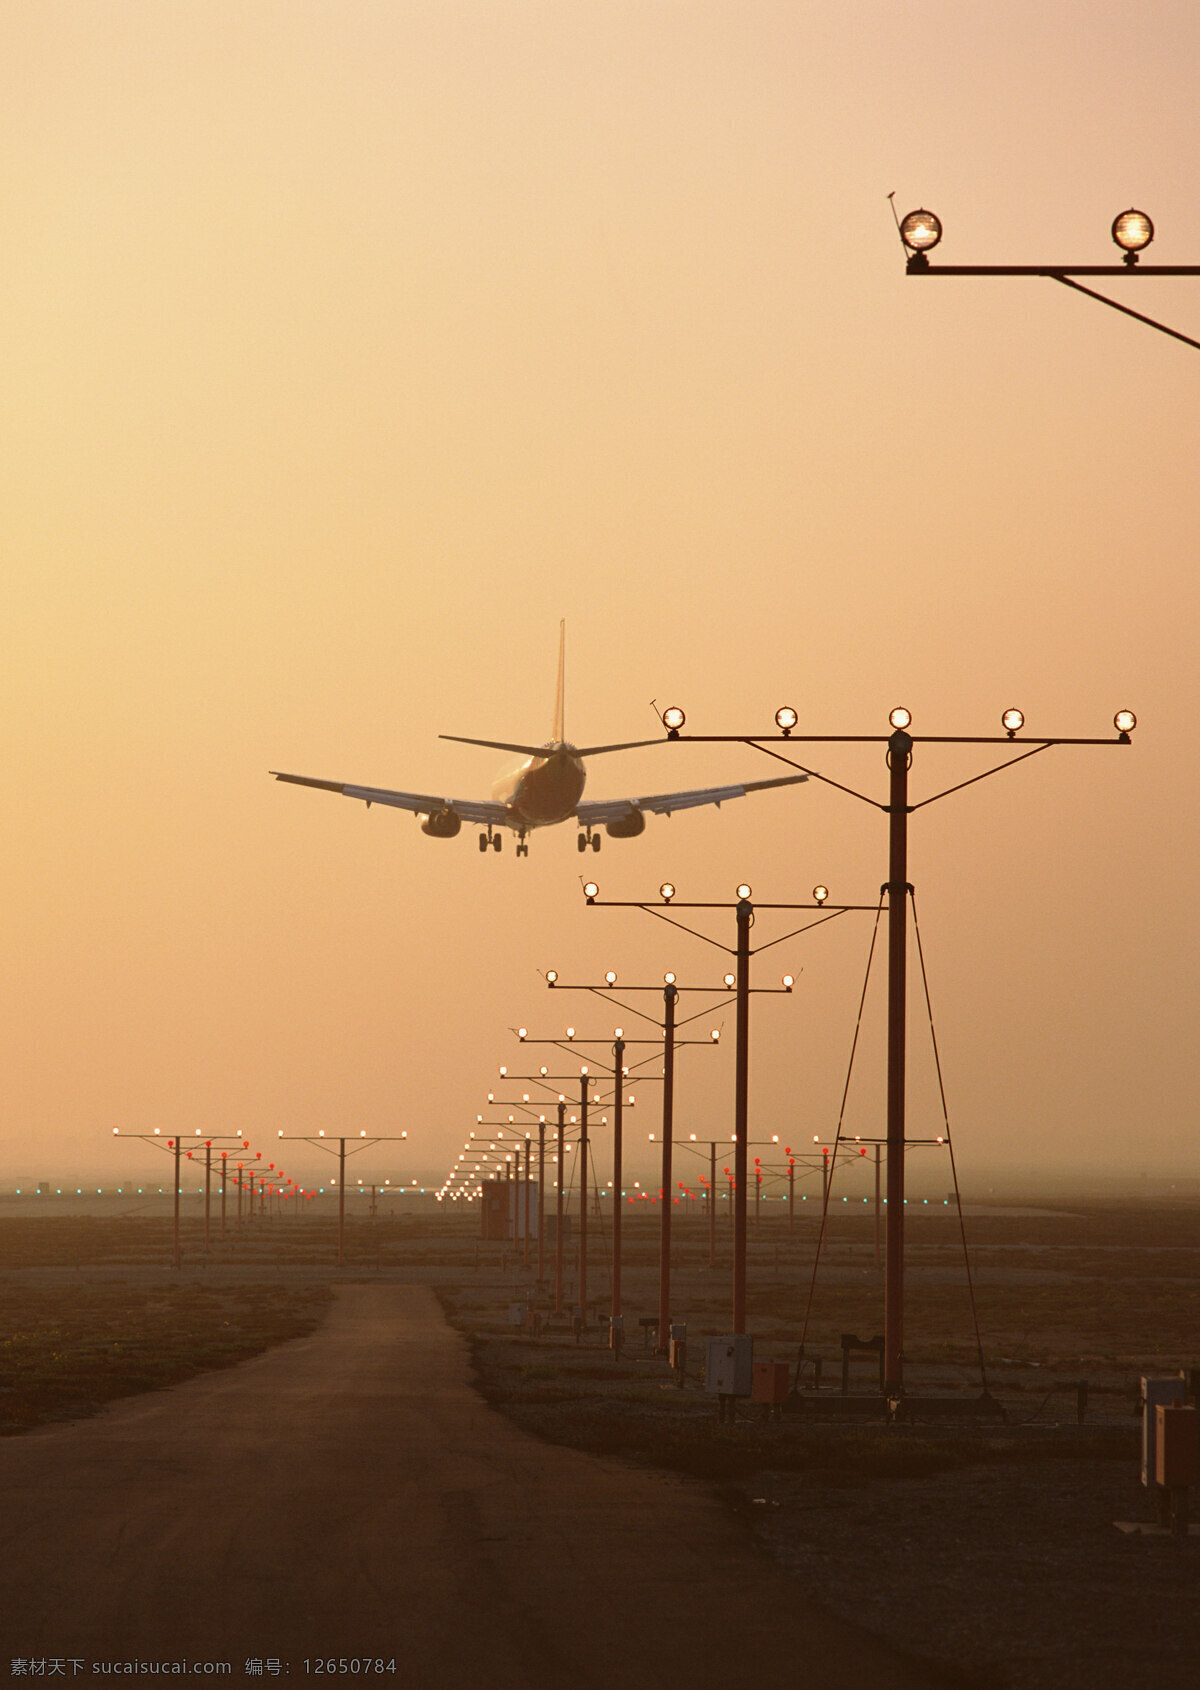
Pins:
x,y
1176,1447
491,1210
728,1365
770,1382
1156,1393
516,1189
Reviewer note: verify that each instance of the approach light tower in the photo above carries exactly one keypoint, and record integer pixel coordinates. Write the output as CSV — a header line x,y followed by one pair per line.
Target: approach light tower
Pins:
x,y
900,745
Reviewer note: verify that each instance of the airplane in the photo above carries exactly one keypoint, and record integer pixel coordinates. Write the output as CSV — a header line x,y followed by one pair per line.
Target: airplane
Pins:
x,y
544,789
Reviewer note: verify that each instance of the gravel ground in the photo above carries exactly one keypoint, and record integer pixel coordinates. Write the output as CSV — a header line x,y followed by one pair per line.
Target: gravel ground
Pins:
x,y
1008,1569
1015,1573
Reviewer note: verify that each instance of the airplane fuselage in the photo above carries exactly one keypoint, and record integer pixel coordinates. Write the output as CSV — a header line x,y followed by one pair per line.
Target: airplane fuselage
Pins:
x,y
541,791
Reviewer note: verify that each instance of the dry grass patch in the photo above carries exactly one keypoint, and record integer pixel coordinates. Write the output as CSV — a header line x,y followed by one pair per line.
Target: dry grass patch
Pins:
x,y
65,1350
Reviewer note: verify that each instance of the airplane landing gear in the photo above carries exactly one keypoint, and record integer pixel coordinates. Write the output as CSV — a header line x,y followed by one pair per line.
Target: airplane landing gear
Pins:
x,y
490,838
583,840
522,847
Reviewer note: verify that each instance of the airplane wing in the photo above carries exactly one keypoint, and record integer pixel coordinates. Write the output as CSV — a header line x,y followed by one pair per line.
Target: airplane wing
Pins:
x,y
420,803
616,809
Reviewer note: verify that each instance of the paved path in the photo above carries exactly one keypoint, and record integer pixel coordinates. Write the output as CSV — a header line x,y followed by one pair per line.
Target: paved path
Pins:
x,y
349,1494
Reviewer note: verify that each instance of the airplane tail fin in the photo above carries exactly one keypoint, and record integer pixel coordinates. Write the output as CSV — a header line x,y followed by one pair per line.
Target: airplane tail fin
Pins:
x,y
558,696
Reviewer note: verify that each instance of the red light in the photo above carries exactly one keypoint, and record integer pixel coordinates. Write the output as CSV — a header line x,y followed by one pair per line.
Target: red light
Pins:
x,y
863,1151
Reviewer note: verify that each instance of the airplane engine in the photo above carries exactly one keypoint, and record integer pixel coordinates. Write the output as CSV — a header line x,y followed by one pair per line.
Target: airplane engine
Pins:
x,y
444,825
628,827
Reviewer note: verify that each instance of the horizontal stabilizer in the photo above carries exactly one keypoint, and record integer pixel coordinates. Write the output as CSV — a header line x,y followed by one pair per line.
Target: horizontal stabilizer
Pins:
x,y
498,745
542,750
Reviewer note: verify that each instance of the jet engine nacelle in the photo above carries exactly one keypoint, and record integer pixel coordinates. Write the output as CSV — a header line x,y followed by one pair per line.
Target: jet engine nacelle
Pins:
x,y
444,825
627,827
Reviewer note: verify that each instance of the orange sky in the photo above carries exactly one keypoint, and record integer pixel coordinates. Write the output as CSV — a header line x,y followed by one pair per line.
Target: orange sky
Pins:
x,y
347,346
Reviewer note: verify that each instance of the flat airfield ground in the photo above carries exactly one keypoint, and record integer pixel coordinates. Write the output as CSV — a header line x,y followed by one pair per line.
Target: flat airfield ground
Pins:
x,y
987,1547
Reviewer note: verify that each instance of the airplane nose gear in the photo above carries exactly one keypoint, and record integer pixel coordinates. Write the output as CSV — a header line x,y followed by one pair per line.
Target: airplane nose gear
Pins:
x,y
586,838
522,847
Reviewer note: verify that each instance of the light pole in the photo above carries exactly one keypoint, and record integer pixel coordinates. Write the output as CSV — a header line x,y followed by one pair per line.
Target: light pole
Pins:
x,y
587,1084
898,889
525,1106
740,982
1132,231
174,1148
669,1043
364,1141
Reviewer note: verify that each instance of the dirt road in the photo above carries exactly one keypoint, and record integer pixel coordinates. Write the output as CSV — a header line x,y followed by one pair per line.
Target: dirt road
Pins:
x,y
349,1495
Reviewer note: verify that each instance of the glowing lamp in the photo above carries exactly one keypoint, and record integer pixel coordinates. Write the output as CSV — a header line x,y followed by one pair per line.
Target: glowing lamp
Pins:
x,y
666,891
1124,721
1132,230
673,719
900,717
785,719
1012,721
551,976
521,1031
731,979
921,230
820,893
591,891
610,978
570,1032
668,979
789,980
715,1036
744,891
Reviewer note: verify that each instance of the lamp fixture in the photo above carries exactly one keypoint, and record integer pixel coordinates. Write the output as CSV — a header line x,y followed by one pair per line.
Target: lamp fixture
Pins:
x,y
1133,231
